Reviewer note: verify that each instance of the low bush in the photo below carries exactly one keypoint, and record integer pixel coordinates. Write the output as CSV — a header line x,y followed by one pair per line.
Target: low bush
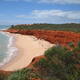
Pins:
x,y
60,64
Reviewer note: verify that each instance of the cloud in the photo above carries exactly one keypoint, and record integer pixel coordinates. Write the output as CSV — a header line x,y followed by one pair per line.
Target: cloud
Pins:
x,y
56,16
52,13
11,0
61,1
18,0
51,1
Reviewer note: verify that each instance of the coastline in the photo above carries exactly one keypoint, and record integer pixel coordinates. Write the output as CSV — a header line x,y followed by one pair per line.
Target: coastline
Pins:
x,y
11,49
28,48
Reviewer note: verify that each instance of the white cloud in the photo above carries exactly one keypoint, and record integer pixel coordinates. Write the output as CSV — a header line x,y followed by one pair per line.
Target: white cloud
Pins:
x,y
52,13
51,1
57,16
73,14
11,0
61,1
17,0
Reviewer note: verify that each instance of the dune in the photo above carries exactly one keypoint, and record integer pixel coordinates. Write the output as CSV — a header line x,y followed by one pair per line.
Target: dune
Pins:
x,y
29,47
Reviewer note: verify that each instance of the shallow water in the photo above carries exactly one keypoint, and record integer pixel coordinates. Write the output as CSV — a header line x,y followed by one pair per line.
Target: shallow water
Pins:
x,y
6,47
4,40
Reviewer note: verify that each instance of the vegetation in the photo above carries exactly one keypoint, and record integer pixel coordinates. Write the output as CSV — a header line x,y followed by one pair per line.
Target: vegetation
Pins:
x,y
66,27
71,44
59,63
24,74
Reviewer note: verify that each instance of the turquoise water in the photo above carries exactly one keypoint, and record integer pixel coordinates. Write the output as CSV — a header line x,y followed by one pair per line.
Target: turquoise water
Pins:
x,y
6,46
4,40
4,26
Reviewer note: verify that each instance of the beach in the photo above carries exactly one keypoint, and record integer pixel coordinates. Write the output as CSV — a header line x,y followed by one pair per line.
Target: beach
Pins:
x,y
28,48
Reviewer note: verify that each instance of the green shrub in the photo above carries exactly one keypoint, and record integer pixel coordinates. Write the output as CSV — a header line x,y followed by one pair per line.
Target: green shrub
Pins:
x,y
24,74
79,44
71,44
60,63
65,27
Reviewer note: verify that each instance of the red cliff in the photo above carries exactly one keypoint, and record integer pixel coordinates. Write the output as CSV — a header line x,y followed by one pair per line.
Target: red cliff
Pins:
x,y
56,37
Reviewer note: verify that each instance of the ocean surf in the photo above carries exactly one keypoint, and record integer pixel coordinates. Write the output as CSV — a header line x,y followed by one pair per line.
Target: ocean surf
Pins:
x,y
7,49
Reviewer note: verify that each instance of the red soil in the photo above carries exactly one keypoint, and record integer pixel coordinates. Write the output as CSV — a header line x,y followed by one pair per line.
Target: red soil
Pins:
x,y
56,37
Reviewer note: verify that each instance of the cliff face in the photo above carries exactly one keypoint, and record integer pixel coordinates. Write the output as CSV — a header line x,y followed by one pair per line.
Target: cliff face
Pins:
x,y
56,37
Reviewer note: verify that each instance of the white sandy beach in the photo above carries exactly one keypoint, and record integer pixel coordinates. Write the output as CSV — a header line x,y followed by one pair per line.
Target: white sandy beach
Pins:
x,y
29,47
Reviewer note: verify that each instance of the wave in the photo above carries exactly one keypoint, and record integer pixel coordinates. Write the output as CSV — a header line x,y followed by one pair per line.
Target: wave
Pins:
x,y
12,50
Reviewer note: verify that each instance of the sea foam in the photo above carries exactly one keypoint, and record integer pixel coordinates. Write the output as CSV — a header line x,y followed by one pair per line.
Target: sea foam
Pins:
x,y
12,50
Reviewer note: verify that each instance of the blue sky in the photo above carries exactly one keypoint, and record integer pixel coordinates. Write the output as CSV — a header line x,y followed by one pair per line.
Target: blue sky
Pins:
x,y
39,11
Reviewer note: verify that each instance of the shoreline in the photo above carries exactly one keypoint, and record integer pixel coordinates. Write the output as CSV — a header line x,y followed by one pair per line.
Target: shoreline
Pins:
x,y
11,49
28,48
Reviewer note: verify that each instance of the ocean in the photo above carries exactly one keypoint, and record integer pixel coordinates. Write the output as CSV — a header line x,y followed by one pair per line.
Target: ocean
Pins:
x,y
6,46
2,27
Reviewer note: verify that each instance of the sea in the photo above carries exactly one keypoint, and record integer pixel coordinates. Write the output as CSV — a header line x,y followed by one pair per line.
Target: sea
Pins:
x,y
7,49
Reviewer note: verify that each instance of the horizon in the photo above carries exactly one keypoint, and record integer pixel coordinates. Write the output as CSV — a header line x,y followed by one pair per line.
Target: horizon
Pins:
x,y
39,11
37,23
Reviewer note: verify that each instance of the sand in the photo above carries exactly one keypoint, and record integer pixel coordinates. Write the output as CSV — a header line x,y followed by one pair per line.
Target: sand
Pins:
x,y
29,47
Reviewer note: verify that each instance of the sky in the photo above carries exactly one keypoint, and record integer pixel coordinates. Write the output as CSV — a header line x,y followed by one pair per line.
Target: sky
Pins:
x,y
39,11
